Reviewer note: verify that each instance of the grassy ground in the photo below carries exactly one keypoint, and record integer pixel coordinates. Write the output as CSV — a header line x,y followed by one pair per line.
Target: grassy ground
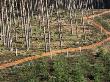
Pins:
x,y
104,21
37,46
87,66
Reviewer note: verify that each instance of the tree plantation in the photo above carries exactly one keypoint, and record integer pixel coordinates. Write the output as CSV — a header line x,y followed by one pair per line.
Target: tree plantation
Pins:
x,y
54,41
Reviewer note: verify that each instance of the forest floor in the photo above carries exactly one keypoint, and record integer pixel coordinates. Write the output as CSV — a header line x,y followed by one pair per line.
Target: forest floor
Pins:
x,y
57,52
